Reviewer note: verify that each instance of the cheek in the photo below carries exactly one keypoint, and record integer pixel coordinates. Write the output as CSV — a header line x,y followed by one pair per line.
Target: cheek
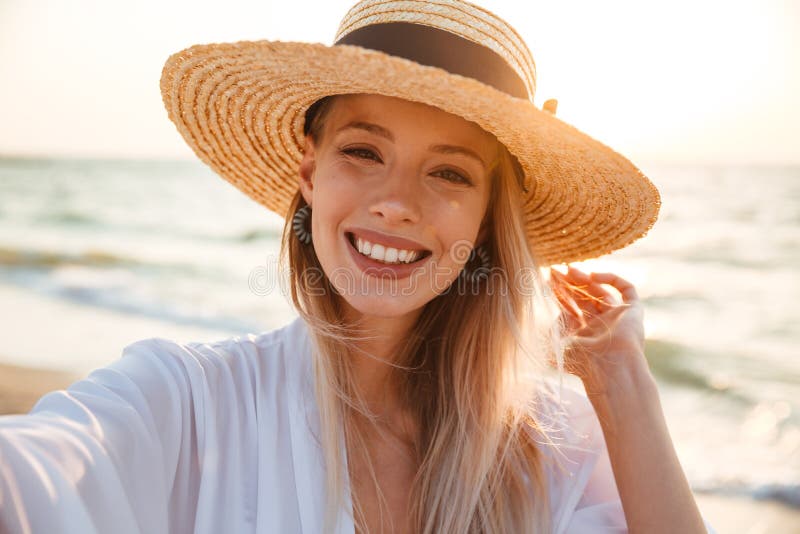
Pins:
x,y
337,181
464,215
327,212
457,224
334,194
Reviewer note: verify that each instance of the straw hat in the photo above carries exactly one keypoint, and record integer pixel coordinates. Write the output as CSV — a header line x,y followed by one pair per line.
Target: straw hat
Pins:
x,y
241,108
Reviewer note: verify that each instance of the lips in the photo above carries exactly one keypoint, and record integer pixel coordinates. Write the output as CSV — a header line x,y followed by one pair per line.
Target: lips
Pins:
x,y
385,240
372,268
423,253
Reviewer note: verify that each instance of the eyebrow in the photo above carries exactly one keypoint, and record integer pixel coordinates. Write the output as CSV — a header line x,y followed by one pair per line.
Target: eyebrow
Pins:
x,y
455,149
440,149
369,127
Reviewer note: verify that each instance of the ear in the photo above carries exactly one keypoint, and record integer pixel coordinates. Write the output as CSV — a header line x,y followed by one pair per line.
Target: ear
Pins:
x,y
305,173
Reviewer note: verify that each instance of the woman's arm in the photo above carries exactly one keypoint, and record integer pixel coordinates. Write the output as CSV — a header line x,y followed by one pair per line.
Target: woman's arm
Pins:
x,y
654,491
606,351
100,456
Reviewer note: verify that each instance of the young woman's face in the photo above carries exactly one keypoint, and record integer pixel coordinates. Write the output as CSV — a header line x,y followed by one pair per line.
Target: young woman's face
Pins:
x,y
399,180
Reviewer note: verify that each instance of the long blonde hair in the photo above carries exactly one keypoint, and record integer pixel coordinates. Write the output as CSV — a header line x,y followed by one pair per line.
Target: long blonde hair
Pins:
x,y
460,372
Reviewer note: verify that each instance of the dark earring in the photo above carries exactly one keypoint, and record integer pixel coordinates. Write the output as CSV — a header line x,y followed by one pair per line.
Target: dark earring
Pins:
x,y
477,266
301,224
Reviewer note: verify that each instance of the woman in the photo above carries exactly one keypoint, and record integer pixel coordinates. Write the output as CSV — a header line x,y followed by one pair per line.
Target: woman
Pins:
x,y
423,192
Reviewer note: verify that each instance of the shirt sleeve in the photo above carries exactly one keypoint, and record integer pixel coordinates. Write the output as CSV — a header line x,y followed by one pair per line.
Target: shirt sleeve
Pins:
x,y
101,455
582,485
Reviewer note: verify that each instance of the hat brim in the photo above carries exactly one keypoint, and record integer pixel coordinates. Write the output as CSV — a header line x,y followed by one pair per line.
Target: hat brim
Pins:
x,y
241,108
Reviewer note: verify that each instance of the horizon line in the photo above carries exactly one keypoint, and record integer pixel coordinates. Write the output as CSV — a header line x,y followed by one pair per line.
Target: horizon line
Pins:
x,y
678,162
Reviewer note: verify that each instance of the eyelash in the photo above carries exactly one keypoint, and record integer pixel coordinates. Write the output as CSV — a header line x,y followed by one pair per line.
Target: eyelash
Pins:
x,y
371,155
359,153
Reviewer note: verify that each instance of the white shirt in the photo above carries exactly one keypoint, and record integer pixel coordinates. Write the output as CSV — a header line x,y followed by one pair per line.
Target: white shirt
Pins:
x,y
220,437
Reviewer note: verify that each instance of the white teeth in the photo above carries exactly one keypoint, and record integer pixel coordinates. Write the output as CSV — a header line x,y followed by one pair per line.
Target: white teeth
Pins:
x,y
385,254
377,252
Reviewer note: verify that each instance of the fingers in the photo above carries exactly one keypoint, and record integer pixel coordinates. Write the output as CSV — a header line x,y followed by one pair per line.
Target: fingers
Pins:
x,y
565,293
602,297
591,296
625,288
570,311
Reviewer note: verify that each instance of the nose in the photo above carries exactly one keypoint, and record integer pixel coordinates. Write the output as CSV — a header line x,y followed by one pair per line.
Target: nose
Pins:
x,y
397,200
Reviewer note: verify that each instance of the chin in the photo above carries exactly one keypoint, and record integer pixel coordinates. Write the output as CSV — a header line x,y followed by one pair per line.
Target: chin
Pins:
x,y
385,306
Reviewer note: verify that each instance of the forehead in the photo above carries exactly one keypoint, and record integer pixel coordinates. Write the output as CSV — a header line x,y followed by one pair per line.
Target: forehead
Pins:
x,y
411,118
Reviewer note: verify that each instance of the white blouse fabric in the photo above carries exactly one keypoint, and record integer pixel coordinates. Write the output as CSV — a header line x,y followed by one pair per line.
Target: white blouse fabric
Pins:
x,y
221,437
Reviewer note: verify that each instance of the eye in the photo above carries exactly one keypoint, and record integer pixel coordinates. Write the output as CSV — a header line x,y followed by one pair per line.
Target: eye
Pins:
x,y
453,176
361,153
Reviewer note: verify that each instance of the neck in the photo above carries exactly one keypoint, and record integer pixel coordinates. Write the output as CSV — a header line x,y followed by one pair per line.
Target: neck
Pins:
x,y
375,360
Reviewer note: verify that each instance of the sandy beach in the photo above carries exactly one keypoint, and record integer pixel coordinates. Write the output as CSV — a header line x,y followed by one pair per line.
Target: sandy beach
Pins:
x,y
740,515
21,387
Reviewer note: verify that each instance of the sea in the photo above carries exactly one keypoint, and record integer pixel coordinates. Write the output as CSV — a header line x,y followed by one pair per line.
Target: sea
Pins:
x,y
96,254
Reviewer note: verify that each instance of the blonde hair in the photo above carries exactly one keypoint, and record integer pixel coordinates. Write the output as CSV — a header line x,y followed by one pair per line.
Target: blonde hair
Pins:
x,y
463,371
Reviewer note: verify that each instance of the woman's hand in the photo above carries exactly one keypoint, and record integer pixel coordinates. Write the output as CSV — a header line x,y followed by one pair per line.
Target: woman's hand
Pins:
x,y
606,350
605,336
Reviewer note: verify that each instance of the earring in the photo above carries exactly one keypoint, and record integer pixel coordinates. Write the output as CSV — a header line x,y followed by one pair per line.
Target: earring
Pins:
x,y
480,272
301,224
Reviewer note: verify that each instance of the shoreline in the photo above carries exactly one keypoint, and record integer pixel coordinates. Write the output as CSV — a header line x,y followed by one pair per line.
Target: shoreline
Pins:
x,y
86,336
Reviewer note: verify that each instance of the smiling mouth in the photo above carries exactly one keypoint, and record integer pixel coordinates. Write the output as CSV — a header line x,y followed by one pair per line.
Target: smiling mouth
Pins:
x,y
419,255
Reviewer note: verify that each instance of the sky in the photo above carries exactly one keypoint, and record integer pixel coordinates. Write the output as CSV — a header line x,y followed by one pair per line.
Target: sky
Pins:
x,y
684,81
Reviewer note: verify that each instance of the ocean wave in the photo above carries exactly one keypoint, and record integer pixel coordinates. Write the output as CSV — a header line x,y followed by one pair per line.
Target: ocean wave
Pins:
x,y
787,494
68,218
71,220
17,263
14,257
668,361
687,366
121,291
674,298
255,234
